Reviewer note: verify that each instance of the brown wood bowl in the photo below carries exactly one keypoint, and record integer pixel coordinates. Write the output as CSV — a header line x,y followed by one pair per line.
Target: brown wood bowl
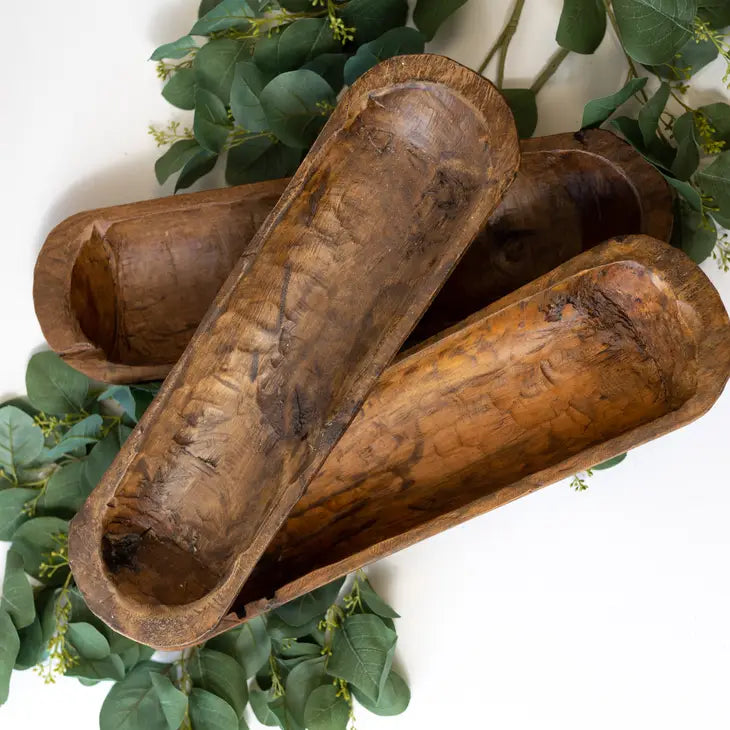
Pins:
x,y
120,291
405,174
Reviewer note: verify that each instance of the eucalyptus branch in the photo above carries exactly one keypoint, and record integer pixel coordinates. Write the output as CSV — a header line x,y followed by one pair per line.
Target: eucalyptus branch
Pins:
x,y
503,41
549,69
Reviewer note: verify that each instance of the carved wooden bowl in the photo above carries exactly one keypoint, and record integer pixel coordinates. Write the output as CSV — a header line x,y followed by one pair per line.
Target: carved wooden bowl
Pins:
x,y
120,291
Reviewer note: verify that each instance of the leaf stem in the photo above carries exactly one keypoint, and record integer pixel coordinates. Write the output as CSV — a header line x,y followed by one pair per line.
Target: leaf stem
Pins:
x,y
549,69
503,41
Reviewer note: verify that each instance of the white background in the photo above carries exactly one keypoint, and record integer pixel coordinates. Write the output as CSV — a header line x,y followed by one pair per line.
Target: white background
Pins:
x,y
605,609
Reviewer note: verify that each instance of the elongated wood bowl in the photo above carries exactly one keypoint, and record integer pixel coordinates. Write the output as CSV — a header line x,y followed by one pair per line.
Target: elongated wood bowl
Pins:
x,y
120,291
403,177
618,346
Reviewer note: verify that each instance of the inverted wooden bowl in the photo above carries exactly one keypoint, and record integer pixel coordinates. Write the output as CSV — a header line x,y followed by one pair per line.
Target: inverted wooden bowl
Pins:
x,y
120,291
405,174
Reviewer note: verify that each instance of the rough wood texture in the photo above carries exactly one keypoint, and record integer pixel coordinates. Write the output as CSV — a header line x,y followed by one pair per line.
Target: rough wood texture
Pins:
x,y
120,291
405,174
620,345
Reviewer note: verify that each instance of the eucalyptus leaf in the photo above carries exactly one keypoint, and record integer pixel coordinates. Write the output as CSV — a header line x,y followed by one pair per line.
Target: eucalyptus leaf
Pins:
x,y
100,459
428,15
598,111
300,684
295,649
9,648
53,386
629,128
180,89
299,42
651,112
280,631
653,31
76,439
196,167
582,25
21,441
371,18
296,104
303,610
144,394
174,703
31,646
248,83
394,42
258,158
688,151
177,49
215,65
66,490
222,675
326,710
693,233
687,191
374,602
122,394
362,653
714,180
17,593
173,160
331,67
523,104
249,645
691,58
88,641
718,116
610,463
715,12
12,516
35,540
394,699
209,712
206,6
260,705
110,667
223,16
211,125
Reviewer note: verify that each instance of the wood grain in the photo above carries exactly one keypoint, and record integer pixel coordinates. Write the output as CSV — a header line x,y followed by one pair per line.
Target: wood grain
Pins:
x,y
405,174
120,291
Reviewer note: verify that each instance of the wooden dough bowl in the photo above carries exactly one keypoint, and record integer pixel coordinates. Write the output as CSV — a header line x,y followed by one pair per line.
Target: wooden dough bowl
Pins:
x,y
405,174
120,291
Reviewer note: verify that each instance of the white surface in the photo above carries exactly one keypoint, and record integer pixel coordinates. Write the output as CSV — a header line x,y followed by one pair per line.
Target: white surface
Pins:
x,y
605,609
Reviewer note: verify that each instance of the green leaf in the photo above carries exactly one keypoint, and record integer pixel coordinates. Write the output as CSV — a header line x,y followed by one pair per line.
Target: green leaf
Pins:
x,y
100,459
653,31
280,631
111,667
215,65
177,49
394,42
31,646
76,439
208,712
133,704
651,112
300,684
248,83
196,167
223,16
12,502
122,394
9,648
523,104
695,235
34,540
311,606
53,386
249,645
23,404
21,441
692,57
362,653
206,6
173,160
17,596
88,641
688,151
715,12
374,602
259,158
331,67
260,705
298,649
371,18
598,111
326,710
714,180
394,699
221,674
299,42
144,394
718,116
180,89
582,25
428,15
66,490
172,700
295,104
211,125
609,463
